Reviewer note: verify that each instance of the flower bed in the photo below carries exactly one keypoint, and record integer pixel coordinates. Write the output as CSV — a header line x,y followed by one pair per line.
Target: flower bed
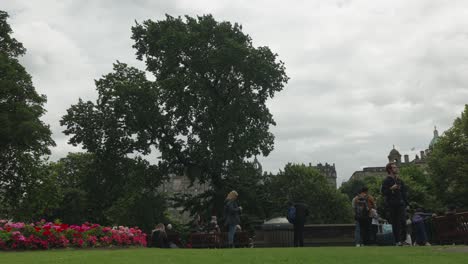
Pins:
x,y
46,235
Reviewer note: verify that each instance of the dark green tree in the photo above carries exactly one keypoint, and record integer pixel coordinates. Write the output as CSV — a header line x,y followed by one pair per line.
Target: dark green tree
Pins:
x,y
24,138
352,187
448,163
421,192
205,110
107,129
305,184
85,193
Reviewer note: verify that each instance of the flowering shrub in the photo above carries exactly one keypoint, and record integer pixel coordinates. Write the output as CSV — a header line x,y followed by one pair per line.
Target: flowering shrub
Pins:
x,y
45,235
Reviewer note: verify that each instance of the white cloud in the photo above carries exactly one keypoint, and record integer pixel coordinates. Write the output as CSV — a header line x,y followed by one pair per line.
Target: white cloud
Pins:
x,y
365,74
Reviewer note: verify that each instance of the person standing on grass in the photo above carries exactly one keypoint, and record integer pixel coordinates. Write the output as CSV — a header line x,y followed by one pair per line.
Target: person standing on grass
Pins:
x,y
232,213
395,200
363,203
299,221
357,228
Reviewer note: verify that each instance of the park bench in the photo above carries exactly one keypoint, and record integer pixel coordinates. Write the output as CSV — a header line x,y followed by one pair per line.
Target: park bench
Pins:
x,y
452,228
217,240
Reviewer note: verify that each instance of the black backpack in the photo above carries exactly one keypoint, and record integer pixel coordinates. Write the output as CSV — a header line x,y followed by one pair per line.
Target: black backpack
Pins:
x,y
362,207
291,215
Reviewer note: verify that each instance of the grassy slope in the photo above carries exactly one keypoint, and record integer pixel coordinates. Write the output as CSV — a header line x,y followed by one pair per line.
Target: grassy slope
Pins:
x,y
325,255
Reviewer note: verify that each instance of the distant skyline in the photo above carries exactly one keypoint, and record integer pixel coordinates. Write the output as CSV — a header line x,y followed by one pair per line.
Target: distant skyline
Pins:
x,y
365,74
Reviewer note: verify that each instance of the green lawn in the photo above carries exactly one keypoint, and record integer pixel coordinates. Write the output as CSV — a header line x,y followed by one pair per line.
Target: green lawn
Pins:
x,y
316,255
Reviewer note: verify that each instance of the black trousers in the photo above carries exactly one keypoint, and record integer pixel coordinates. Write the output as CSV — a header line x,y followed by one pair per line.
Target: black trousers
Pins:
x,y
397,217
298,235
365,227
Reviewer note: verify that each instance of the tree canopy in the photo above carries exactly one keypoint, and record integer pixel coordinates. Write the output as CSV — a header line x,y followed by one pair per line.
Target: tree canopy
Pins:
x,y
301,183
449,166
205,110
24,138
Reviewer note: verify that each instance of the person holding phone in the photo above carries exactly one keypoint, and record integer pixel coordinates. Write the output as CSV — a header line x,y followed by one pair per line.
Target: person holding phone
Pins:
x,y
395,200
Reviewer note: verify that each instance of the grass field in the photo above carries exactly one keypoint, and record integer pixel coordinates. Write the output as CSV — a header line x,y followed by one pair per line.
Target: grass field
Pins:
x,y
316,255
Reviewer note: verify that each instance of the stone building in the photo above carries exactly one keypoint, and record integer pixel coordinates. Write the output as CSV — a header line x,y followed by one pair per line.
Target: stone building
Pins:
x,y
327,170
395,156
177,184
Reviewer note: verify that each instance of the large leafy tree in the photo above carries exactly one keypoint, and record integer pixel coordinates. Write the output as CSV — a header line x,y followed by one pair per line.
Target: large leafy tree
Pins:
x,y
421,192
205,111
24,138
448,163
108,130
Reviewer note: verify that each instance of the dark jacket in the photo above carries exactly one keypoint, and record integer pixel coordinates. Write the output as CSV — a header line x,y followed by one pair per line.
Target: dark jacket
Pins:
x,y
301,213
397,197
231,213
159,239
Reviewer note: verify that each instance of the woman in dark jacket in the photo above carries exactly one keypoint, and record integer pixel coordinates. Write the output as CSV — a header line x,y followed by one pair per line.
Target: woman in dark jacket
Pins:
x,y
159,237
231,215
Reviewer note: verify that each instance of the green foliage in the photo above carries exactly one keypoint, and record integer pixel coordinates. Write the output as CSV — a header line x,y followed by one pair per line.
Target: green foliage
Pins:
x,y
139,202
42,196
73,175
420,189
8,45
24,138
304,183
352,187
421,193
448,164
211,87
205,111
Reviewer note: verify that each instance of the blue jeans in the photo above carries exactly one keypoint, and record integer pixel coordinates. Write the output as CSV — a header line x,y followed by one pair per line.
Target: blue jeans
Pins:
x,y
357,234
421,236
232,232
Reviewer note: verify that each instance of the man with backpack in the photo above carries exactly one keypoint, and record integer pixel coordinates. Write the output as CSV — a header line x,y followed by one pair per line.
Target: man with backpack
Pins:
x,y
297,215
363,203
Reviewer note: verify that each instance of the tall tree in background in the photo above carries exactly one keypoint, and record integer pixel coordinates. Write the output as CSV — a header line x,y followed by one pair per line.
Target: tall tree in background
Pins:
x,y
212,85
119,184
448,164
24,138
205,111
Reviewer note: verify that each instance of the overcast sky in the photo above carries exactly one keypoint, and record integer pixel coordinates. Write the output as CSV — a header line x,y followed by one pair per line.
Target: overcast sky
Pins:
x,y
365,74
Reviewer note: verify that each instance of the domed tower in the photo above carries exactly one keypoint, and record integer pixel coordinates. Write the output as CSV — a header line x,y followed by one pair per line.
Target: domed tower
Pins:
x,y
394,156
434,139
